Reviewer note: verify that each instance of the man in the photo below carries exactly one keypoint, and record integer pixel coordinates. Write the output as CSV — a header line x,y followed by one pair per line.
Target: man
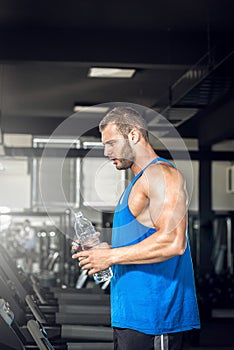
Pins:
x,y
153,298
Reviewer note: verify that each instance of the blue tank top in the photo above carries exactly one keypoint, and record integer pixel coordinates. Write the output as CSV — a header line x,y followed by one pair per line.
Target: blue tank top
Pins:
x,y
155,298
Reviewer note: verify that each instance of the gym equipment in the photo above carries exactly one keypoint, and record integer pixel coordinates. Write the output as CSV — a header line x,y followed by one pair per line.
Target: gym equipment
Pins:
x,y
39,335
15,295
17,277
90,346
87,333
10,269
10,294
83,297
86,315
83,315
8,337
26,294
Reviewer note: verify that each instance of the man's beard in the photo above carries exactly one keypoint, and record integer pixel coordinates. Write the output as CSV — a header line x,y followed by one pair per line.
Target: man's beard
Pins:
x,y
128,157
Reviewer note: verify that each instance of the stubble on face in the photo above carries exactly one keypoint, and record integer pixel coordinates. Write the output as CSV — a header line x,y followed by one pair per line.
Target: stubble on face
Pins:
x,y
127,157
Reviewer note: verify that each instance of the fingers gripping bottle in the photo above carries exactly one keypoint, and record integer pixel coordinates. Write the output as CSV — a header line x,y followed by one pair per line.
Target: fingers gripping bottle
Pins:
x,y
89,239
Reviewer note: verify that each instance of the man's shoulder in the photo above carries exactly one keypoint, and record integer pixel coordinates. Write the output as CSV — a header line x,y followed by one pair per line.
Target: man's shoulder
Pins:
x,y
161,168
161,173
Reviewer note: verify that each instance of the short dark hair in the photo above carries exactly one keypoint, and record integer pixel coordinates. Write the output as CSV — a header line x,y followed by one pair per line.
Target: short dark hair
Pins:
x,y
125,118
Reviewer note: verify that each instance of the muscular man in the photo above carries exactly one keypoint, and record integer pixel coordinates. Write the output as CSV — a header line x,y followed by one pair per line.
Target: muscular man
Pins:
x,y
153,299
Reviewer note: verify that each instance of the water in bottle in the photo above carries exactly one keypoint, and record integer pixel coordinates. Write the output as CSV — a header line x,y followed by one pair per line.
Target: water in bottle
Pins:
x,y
89,239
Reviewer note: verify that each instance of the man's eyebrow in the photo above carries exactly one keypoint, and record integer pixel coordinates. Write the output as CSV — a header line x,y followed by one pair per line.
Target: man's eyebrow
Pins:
x,y
107,142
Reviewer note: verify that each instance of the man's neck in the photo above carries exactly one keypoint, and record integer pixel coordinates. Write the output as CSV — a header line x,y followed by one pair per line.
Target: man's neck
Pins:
x,y
143,158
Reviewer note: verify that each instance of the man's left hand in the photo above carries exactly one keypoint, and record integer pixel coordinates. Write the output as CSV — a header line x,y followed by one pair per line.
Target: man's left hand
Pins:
x,y
94,260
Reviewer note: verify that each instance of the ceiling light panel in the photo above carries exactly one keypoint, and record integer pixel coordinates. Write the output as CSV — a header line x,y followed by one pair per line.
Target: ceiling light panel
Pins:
x,y
90,109
98,72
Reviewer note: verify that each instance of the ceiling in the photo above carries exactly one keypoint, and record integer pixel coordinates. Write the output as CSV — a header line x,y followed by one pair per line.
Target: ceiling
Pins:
x,y
182,52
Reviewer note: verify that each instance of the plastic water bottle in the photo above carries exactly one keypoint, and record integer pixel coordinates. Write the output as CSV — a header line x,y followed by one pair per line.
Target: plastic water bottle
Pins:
x,y
88,239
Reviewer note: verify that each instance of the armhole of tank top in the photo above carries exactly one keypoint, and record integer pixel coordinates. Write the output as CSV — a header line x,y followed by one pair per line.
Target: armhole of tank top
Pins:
x,y
127,191
121,198
156,161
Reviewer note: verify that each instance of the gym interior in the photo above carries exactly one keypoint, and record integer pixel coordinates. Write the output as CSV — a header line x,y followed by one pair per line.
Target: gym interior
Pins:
x,y
63,66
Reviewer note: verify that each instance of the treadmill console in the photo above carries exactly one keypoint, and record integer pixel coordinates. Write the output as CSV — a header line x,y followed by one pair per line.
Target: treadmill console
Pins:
x,y
5,312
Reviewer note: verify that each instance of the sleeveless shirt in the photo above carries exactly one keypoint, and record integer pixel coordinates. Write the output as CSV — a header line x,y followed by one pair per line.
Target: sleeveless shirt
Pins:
x,y
155,298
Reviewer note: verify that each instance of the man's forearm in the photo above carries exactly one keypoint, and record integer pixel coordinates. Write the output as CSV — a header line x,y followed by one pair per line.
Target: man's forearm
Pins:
x,y
147,251
123,256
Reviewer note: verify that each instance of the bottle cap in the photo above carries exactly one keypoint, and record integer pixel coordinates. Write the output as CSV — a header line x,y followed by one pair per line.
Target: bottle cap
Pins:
x,y
78,214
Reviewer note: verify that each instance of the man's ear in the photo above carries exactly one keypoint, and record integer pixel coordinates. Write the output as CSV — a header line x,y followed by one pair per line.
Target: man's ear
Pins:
x,y
134,136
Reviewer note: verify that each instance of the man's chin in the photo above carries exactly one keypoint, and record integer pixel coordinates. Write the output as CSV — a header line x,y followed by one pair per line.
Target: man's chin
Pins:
x,y
123,165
